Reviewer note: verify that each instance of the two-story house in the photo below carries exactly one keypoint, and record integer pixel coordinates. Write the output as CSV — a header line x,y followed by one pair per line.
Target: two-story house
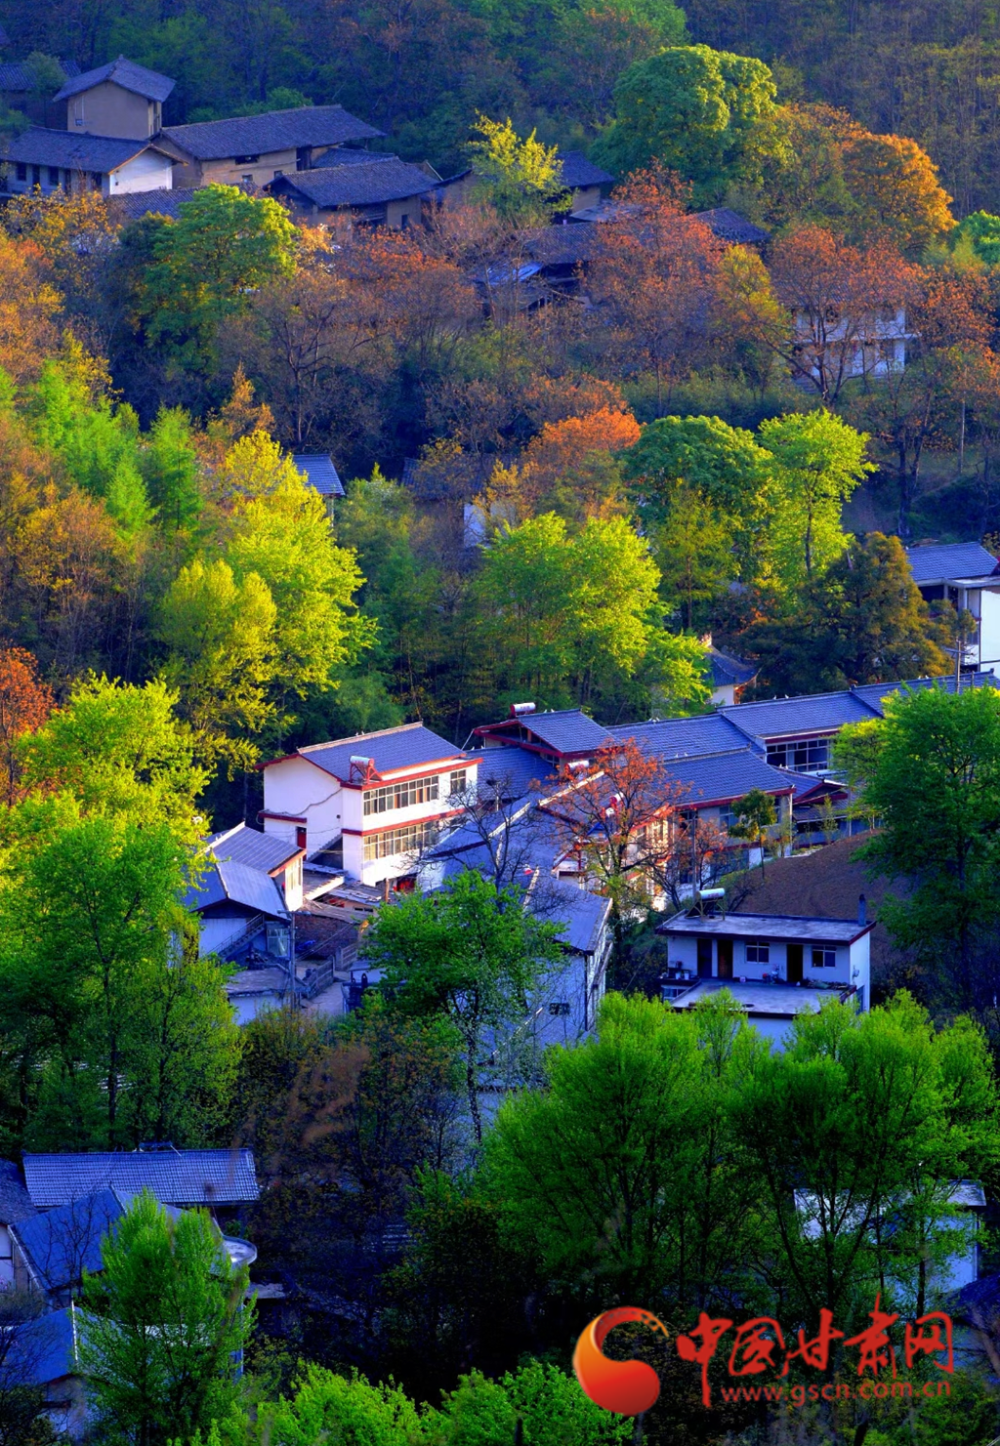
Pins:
x,y
967,576
367,806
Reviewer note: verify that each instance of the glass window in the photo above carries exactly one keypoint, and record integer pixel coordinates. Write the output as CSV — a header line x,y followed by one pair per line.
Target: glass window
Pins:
x,y
457,782
247,179
758,951
809,755
393,841
22,171
400,795
824,957
559,1006
53,175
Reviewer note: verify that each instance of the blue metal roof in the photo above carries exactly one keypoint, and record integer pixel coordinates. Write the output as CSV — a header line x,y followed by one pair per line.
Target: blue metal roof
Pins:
x,y
409,746
936,562
725,776
175,1177
62,1243
319,471
224,881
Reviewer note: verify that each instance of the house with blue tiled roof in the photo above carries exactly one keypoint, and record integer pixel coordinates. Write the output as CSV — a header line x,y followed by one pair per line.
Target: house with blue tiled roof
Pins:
x,y
967,576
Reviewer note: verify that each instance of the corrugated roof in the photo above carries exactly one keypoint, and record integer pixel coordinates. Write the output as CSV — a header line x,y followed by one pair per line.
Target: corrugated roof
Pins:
x,y
934,562
577,171
64,1242
683,737
766,926
382,180
223,881
174,1177
725,776
411,745
320,472
123,72
243,845
43,147
276,130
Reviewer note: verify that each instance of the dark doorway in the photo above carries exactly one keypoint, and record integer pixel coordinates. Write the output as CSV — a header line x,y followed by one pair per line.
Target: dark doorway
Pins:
x,y
725,958
704,958
795,963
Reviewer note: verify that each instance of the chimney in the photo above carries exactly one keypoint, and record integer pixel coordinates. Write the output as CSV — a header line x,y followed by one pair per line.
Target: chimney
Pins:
x,y
862,910
300,836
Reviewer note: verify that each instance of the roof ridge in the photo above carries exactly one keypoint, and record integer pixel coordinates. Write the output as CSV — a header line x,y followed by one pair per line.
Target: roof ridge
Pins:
x,y
356,737
255,115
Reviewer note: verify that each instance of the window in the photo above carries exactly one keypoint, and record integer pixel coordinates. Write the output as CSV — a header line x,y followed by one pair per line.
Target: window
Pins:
x,y
803,755
404,222
400,795
22,171
247,179
399,841
36,175
53,175
457,781
245,160
824,957
758,951
559,1007
277,174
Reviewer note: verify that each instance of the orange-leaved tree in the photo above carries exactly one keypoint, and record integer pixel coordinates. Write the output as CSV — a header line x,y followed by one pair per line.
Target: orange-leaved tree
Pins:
x,y
25,703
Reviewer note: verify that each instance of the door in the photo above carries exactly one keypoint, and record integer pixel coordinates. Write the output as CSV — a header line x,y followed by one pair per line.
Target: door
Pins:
x,y
704,958
725,958
795,963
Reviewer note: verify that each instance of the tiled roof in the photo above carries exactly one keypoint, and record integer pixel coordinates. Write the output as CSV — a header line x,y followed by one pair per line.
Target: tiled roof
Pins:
x,y
810,713
132,205
725,776
42,147
319,472
727,670
513,769
577,171
582,915
276,130
932,563
174,1177
382,180
243,845
13,76
43,1350
64,1242
348,156
683,737
236,883
409,746
125,73
730,226
566,731
766,926
15,1202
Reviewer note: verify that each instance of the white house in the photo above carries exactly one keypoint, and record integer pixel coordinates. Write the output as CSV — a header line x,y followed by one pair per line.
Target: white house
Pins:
x,y
967,576
51,160
367,806
775,965
250,886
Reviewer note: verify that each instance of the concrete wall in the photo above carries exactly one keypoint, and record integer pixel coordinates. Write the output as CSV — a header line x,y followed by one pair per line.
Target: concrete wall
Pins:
x,y
852,960
108,110
149,172
296,787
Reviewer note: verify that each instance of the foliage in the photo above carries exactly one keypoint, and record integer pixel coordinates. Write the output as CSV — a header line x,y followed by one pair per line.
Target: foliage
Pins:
x,y
520,178
161,1324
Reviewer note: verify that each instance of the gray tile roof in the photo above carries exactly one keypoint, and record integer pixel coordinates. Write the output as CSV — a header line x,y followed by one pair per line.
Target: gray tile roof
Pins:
x,y
243,845
319,472
578,172
43,1350
409,746
42,147
14,77
730,226
683,737
348,156
932,563
276,130
767,926
567,731
174,1177
132,205
15,1202
515,770
583,915
125,73
727,670
381,180
62,1243
236,883
720,777
810,713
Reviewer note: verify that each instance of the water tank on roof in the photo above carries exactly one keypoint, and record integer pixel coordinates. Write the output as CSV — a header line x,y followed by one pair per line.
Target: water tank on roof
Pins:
x,y
518,710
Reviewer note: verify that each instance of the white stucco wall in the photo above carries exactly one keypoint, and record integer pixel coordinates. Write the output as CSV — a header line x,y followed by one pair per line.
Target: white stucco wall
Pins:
x,y
148,172
296,787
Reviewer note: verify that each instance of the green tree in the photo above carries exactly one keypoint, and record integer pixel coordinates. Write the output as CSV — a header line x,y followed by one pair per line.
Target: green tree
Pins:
x,y
521,178
162,1325
756,816
207,262
469,951
818,462
704,113
169,464
933,779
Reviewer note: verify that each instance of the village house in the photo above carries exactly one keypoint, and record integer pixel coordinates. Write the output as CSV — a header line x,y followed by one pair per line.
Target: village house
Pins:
x,y
775,966
255,149
119,99
584,184
52,160
967,576
378,190
366,807
320,472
